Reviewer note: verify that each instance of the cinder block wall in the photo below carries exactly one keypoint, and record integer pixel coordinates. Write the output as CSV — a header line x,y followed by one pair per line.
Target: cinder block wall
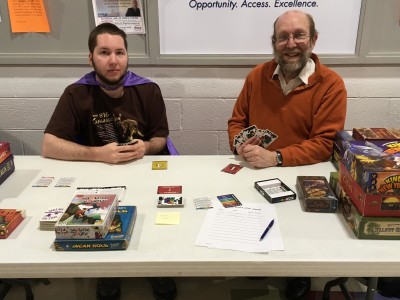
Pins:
x,y
199,101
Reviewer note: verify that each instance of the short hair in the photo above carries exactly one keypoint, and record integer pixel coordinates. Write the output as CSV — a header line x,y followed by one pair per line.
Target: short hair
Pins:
x,y
105,28
313,30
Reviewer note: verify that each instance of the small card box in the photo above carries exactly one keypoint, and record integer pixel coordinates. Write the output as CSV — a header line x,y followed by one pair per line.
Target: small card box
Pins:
x,y
316,194
274,190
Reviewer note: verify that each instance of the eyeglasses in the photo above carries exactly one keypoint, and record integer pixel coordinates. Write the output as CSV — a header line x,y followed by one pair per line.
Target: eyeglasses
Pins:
x,y
299,37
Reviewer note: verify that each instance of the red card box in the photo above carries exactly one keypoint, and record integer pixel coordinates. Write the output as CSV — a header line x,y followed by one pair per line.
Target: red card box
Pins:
x,y
169,189
373,205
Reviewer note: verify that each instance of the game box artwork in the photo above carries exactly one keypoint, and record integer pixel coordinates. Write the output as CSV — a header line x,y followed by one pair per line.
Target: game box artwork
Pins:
x,y
9,220
340,145
7,167
376,134
117,238
375,166
369,204
5,150
88,216
377,228
316,194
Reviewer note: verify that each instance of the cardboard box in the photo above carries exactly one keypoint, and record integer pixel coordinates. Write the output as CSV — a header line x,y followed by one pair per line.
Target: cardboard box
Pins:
x,y
274,190
374,166
373,205
7,167
88,216
376,228
376,134
5,151
340,145
316,194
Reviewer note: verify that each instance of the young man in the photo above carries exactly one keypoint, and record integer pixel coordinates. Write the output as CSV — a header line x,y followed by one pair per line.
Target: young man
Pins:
x,y
297,98
107,107
110,115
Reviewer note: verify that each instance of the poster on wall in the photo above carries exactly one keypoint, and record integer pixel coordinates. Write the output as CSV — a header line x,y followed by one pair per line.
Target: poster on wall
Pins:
x,y
126,14
246,26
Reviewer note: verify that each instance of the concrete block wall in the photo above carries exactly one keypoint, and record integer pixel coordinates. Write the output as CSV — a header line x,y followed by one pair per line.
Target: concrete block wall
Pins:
x,y
199,101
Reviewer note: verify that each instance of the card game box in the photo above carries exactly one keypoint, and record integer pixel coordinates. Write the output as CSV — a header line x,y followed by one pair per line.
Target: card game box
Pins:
x,y
170,196
9,220
7,167
315,194
88,216
376,134
377,228
369,204
375,166
274,190
117,238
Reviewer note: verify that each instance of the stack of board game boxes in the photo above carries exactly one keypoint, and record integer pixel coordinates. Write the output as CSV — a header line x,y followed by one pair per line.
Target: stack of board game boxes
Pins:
x,y
9,218
94,222
7,166
368,181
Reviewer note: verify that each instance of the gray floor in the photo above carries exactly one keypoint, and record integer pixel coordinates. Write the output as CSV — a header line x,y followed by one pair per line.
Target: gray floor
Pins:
x,y
227,288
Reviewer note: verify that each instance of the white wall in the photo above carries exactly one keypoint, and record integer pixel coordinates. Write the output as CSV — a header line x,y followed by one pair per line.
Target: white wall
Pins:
x,y
199,101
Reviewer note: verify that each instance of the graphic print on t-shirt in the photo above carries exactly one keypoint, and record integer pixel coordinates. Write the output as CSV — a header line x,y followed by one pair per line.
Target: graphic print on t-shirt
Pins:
x,y
103,123
128,129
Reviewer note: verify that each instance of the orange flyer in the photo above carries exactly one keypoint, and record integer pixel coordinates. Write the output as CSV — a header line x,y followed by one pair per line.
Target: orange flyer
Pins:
x,y
28,16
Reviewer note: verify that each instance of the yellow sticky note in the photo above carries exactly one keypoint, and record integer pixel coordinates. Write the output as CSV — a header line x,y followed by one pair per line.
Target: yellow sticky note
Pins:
x,y
168,218
160,165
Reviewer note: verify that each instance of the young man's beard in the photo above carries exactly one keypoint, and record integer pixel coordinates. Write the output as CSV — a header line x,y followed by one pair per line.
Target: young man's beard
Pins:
x,y
109,82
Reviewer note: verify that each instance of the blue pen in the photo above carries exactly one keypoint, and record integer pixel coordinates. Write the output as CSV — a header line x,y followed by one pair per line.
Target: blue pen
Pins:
x,y
266,230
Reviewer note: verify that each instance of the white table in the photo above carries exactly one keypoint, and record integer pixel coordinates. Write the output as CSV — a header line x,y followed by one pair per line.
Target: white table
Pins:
x,y
316,244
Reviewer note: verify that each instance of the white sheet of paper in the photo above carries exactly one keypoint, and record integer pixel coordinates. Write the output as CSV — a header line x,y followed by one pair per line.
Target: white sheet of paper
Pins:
x,y
240,228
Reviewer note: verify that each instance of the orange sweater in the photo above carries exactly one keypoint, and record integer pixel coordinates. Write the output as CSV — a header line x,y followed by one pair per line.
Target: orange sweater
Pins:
x,y
305,120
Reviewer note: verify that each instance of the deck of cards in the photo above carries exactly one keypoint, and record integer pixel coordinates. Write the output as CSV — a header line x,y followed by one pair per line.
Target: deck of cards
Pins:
x,y
265,135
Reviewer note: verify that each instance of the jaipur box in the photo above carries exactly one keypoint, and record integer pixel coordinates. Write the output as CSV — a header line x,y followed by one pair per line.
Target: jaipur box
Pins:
x,y
377,228
274,190
376,134
88,216
374,166
315,194
369,204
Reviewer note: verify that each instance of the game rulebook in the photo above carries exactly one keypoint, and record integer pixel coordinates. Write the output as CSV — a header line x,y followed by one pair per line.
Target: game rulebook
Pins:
x,y
9,220
117,238
88,216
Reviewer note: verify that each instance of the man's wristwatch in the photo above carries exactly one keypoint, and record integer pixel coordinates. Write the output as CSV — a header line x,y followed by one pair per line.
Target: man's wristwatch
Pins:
x,y
279,158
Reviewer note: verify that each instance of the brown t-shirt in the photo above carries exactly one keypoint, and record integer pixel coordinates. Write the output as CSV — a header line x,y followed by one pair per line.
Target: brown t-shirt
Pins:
x,y
88,116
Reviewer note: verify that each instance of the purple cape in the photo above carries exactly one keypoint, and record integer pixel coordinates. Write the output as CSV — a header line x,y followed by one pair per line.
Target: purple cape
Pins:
x,y
129,80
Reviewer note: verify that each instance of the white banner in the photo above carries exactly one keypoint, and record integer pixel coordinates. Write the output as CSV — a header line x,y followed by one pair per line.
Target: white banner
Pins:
x,y
245,27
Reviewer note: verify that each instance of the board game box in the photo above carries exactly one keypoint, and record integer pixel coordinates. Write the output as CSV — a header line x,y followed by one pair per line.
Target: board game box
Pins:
x,y
315,194
376,134
7,167
5,150
375,166
373,205
117,238
88,216
340,145
274,190
9,220
377,228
